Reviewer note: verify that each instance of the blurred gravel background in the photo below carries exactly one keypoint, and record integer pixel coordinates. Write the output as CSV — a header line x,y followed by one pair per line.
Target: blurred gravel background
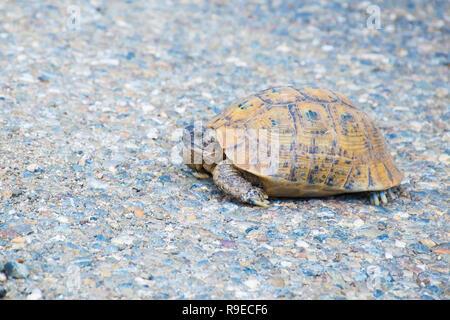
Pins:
x,y
94,202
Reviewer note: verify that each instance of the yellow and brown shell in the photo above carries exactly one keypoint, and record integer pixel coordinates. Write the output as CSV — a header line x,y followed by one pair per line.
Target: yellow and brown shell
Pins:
x,y
325,144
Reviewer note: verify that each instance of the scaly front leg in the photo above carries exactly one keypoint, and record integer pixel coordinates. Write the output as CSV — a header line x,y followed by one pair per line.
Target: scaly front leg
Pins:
x,y
232,183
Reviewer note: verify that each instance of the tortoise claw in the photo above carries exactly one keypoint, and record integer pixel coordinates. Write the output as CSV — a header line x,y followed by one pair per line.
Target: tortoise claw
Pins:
x,y
378,197
374,199
390,194
256,196
201,175
383,197
263,204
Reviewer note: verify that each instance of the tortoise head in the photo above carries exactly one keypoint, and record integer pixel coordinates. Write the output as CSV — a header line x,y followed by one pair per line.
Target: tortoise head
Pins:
x,y
201,149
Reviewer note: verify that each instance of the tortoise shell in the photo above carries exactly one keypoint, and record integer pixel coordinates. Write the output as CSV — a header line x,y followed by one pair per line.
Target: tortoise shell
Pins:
x,y
325,145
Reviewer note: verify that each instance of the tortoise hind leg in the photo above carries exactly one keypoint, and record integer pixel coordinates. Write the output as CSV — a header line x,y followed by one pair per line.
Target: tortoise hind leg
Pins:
x,y
381,196
231,182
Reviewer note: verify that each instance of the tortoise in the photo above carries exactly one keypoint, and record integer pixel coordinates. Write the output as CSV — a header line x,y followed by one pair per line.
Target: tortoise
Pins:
x,y
323,146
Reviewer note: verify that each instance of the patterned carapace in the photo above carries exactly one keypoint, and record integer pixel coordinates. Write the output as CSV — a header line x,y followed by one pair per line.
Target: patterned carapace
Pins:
x,y
326,145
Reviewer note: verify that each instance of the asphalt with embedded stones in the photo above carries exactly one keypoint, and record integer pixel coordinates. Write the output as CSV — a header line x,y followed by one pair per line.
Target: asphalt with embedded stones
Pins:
x,y
95,203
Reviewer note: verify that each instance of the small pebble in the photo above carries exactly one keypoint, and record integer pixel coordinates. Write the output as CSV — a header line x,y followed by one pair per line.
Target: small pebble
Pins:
x,y
152,133
18,240
143,282
443,248
302,244
122,240
35,294
358,223
252,283
138,212
32,167
428,243
16,270
228,244
277,281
